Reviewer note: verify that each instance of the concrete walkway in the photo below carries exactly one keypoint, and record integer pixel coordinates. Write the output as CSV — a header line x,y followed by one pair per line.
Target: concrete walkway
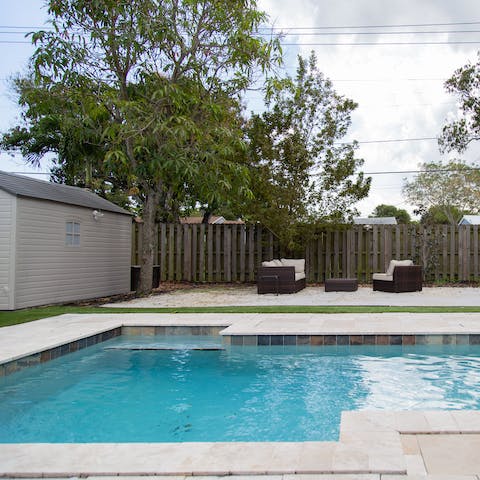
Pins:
x,y
241,295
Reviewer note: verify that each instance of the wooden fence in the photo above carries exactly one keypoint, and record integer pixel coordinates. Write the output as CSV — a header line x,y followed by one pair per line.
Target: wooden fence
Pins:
x,y
232,253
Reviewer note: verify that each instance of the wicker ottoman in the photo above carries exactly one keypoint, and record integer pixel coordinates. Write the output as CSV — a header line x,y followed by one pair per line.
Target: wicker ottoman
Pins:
x,y
341,285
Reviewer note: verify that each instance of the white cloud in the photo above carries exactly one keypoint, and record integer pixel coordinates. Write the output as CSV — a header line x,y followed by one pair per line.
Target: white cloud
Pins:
x,y
399,88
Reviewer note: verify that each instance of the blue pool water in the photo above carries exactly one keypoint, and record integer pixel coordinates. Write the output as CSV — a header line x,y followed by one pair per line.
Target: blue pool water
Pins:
x,y
111,393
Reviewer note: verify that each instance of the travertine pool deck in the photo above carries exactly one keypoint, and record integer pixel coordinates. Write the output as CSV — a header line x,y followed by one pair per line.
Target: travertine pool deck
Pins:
x,y
372,445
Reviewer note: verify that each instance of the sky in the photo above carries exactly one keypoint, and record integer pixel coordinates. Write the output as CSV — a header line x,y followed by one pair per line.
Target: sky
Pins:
x,y
396,78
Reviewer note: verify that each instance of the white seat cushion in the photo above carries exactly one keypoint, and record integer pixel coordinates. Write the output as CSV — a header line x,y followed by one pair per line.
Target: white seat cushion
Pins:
x,y
398,263
299,276
298,263
382,276
272,263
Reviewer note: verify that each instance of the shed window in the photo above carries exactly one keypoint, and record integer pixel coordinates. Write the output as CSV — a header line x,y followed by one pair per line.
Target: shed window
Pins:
x,y
72,233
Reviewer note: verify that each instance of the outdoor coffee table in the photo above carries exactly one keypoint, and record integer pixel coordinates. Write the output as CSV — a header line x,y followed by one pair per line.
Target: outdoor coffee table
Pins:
x,y
341,284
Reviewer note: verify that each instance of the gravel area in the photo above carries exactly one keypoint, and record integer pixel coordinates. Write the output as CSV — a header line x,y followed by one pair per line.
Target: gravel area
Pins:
x,y
245,295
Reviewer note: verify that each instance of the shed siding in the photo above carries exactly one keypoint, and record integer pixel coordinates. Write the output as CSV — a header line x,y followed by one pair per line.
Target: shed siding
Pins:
x,y
7,249
49,271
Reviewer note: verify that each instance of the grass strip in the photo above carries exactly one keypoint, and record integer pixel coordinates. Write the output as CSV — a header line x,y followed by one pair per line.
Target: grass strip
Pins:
x,y
21,316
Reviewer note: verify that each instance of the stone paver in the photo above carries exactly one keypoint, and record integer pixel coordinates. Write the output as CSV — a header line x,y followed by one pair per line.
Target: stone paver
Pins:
x,y
451,454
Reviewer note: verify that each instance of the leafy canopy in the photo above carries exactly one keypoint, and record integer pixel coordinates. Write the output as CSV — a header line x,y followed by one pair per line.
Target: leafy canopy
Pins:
x,y
465,85
452,188
145,93
302,171
383,210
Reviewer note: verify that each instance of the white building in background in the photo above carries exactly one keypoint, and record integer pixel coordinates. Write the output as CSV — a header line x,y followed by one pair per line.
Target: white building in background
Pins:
x,y
375,221
470,220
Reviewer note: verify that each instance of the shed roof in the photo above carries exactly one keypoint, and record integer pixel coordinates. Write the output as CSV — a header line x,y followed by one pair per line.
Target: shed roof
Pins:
x,y
30,187
375,221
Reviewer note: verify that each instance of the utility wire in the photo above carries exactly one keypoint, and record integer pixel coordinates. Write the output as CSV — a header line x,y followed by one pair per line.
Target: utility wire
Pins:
x,y
404,25
310,28
393,140
351,44
437,170
418,32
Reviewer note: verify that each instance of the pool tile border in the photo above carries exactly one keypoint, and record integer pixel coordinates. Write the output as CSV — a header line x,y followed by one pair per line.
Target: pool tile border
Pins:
x,y
195,330
238,340
59,351
354,339
56,352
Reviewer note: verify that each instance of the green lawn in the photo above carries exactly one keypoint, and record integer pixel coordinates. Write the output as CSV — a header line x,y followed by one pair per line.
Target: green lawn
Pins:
x,y
21,316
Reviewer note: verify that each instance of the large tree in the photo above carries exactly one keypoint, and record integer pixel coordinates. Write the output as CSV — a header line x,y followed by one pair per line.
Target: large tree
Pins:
x,y
167,75
452,188
302,170
465,85
383,210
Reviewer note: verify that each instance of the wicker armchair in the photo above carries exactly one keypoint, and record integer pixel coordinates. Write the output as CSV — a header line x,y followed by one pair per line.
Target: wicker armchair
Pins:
x,y
281,276
401,276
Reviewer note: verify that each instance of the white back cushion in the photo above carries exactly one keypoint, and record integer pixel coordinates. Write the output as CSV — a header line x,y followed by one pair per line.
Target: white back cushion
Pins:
x,y
398,263
298,263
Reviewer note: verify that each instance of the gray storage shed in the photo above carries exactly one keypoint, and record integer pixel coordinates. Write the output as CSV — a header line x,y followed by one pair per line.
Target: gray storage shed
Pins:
x,y
59,243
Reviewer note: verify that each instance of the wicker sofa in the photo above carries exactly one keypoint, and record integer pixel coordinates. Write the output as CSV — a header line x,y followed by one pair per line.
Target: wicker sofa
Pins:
x,y
401,276
286,275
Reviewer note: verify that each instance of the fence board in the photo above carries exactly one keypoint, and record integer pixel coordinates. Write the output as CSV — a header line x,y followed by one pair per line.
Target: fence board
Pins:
x,y
201,254
251,253
234,272
475,251
171,252
218,253
162,245
194,253
243,240
210,242
178,259
227,253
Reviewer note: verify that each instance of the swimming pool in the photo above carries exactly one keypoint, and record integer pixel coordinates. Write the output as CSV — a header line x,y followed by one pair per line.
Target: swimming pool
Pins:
x,y
161,389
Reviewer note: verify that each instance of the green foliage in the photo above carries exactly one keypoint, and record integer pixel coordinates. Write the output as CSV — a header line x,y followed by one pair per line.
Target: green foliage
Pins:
x,y
465,85
400,214
302,172
148,94
436,216
452,188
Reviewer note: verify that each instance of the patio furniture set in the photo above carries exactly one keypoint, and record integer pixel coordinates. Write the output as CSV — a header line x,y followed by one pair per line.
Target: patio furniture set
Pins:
x,y
287,275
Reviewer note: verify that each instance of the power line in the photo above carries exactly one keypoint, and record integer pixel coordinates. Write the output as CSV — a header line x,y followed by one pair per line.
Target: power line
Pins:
x,y
11,42
351,44
393,140
23,27
437,170
324,27
418,32
316,33
404,25
31,173
323,44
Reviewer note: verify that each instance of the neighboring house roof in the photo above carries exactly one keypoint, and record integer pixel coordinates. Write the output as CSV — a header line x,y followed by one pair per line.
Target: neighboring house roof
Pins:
x,y
470,220
214,220
375,221
29,187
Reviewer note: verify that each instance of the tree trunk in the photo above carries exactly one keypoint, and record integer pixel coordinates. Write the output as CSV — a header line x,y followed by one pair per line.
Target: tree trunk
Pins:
x,y
148,244
206,217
